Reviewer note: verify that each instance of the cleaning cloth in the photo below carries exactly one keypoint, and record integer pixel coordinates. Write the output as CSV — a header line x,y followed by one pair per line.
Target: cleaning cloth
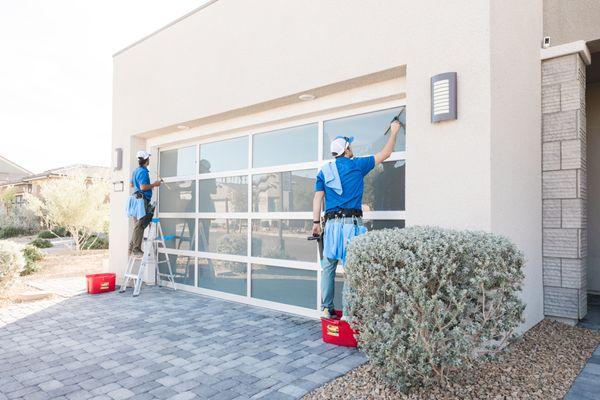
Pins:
x,y
331,177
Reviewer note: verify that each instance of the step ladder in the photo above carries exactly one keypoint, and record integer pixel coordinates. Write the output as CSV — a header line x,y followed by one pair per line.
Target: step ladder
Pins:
x,y
153,242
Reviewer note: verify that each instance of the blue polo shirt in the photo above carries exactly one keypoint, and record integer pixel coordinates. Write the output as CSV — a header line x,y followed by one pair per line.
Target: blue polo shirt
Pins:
x,y
140,177
351,171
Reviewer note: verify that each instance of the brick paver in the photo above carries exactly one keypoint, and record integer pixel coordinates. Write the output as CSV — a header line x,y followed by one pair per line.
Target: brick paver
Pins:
x,y
162,345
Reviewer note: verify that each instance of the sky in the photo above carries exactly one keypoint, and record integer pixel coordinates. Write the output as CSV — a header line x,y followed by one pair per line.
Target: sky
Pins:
x,y
56,74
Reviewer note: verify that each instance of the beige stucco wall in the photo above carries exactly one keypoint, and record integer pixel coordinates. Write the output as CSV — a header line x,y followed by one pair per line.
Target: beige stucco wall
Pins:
x,y
235,55
566,21
593,164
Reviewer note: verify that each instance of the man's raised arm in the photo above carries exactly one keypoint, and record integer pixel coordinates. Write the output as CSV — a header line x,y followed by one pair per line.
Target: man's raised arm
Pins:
x,y
387,150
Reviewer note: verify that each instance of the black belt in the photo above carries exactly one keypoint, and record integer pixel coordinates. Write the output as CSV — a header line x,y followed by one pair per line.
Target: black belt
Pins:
x,y
343,213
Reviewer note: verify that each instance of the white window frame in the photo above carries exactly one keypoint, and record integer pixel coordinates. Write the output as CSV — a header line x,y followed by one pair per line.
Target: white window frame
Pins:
x,y
249,215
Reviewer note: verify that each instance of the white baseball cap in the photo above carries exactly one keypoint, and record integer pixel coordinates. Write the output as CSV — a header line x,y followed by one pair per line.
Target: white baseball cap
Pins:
x,y
340,144
143,154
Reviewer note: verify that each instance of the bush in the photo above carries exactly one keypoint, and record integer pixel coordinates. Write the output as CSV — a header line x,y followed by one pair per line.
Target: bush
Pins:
x,y
428,300
32,255
11,263
95,243
19,217
46,235
12,231
54,233
41,243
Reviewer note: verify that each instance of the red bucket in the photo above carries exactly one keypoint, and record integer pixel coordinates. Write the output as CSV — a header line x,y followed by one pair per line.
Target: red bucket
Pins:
x,y
338,332
100,283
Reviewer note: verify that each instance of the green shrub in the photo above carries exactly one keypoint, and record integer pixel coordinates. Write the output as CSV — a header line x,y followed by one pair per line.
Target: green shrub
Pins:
x,y
61,231
11,263
12,231
95,243
54,233
46,235
32,255
41,243
428,301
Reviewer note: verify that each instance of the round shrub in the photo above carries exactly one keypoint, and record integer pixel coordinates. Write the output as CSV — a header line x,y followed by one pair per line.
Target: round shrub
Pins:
x,y
95,243
428,301
11,263
41,243
32,255
12,231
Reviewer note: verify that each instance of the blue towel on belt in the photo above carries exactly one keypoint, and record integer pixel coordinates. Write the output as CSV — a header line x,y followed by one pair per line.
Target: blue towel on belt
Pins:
x,y
135,207
337,236
332,177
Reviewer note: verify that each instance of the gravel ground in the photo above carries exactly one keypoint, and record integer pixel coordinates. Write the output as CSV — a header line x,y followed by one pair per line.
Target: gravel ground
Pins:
x,y
540,366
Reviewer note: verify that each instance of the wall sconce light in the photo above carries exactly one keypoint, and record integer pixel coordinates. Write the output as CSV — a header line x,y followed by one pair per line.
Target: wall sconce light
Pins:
x,y
118,161
118,186
443,97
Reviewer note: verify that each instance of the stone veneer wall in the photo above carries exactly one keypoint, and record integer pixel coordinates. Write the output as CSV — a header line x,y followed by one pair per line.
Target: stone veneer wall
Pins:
x,y
564,187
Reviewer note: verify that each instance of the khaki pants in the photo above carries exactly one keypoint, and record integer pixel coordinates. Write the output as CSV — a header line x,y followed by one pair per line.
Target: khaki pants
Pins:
x,y
140,226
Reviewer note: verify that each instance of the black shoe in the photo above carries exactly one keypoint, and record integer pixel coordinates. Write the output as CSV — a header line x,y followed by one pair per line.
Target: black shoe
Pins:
x,y
137,252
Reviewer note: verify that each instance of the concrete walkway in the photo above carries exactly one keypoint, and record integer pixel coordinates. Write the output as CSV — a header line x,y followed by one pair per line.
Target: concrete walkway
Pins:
x,y
162,345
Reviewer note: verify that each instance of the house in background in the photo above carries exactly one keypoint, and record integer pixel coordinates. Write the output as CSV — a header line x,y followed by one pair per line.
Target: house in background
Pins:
x,y
31,183
521,159
10,171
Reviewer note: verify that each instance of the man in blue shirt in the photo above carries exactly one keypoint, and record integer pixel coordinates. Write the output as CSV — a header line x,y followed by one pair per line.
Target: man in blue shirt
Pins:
x,y
340,183
140,181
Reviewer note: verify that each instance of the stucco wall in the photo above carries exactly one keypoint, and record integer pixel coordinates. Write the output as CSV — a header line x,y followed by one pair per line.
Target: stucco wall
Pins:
x,y
235,55
593,160
570,20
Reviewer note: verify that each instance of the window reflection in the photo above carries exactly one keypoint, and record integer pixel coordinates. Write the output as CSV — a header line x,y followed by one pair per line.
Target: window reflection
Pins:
x,y
285,146
385,187
224,155
179,233
228,194
178,162
183,268
177,196
225,236
283,191
375,224
368,131
283,239
221,275
285,285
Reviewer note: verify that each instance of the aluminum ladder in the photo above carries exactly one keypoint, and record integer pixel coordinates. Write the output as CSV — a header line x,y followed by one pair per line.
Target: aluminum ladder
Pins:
x,y
154,242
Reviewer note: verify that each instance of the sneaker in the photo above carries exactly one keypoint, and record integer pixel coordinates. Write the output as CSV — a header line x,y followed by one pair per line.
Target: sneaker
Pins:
x,y
137,252
327,314
346,318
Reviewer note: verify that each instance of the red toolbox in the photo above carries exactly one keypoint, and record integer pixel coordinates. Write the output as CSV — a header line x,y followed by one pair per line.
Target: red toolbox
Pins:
x,y
100,283
338,332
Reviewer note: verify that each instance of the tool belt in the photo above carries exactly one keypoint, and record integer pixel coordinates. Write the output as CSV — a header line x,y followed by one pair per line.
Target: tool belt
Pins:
x,y
343,213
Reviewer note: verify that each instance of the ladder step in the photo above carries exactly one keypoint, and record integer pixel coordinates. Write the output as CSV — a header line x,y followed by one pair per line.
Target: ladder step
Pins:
x,y
133,276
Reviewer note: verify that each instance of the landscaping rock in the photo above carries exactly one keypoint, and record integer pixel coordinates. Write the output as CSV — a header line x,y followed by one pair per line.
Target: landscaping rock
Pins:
x,y
541,365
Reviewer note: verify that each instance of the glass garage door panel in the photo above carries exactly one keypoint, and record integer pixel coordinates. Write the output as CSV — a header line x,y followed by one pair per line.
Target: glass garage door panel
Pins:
x,y
183,268
385,187
225,155
283,239
183,230
292,286
224,236
285,146
283,191
221,275
177,196
338,291
228,194
373,225
367,129
178,162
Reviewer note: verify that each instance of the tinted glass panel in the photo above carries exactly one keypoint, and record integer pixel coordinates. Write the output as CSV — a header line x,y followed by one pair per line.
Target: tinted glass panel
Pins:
x,y
285,285
177,196
367,129
226,155
284,239
285,146
224,276
228,194
179,232
178,162
225,236
283,191
338,290
182,266
385,187
373,225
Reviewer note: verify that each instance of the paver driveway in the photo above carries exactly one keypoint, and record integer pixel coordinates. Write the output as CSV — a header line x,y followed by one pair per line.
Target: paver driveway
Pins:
x,y
165,345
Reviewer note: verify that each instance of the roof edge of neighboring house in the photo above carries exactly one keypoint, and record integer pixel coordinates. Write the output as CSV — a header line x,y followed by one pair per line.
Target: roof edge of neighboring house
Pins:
x,y
194,11
51,173
6,160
